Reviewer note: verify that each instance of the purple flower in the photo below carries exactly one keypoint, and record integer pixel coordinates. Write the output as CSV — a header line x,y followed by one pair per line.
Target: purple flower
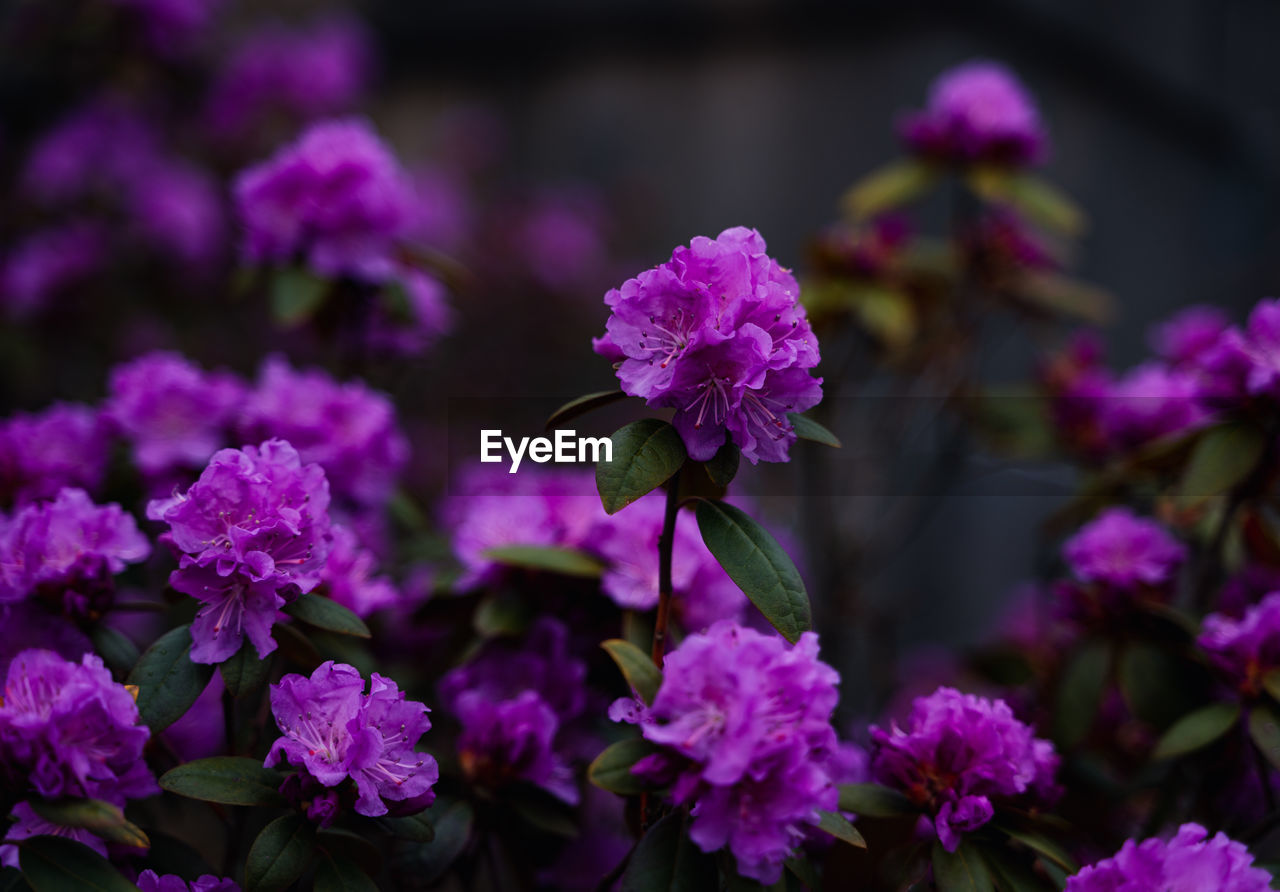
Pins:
x,y
48,262
96,149
512,703
64,445
958,753
1251,357
175,414
305,73
1153,401
177,208
169,25
67,729
1123,551
334,731
337,197
69,547
1185,338
28,824
418,323
560,238
704,593
717,334
744,720
1190,862
346,428
1244,649
252,532
978,111
150,881
349,576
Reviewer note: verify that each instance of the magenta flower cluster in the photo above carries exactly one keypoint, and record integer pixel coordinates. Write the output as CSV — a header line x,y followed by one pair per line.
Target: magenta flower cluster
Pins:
x,y
68,729
512,704
1244,649
978,112
1124,552
251,534
69,548
42,453
717,333
335,732
1189,862
744,722
958,756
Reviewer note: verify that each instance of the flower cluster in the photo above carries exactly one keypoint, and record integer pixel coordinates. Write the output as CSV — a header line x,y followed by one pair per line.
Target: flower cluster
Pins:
x,y
717,334
350,576
977,112
744,722
1118,557
958,755
252,533
512,704
345,428
67,729
334,732
174,414
64,445
1244,649
69,548
48,262
1192,860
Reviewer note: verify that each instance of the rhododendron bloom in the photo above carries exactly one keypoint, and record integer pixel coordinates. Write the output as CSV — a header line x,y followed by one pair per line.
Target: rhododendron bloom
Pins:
x,y
334,731
1191,861
958,754
1244,649
63,445
1123,551
744,722
717,333
252,533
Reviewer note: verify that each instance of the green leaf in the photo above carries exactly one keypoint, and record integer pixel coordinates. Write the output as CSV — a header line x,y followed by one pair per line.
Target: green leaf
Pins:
x,y
1079,694
326,613
11,880
1011,873
889,187
502,614
582,405
611,770
453,822
102,819
542,811
1041,845
804,870
296,646
1060,295
116,649
296,295
415,828
960,871
1197,730
352,846
280,854
836,825
723,466
337,874
637,668
1264,728
1157,687
230,780
645,455
875,801
757,564
1031,196
808,429
665,860
54,864
168,682
1223,457
565,561
1271,683
244,672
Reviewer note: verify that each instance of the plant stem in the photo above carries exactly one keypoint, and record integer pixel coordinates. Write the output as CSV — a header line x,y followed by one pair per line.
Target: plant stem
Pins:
x,y
666,542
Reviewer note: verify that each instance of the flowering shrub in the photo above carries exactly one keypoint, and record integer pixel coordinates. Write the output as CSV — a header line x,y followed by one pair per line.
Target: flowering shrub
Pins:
x,y
241,555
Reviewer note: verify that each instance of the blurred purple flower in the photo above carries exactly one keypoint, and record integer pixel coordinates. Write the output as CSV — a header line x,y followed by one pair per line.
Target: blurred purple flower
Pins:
x,y
978,111
1123,551
173,413
349,576
1152,401
252,532
1185,337
334,731
150,881
70,548
1244,650
170,26
744,720
98,148
47,262
1190,862
717,334
958,753
346,428
63,445
67,729
177,208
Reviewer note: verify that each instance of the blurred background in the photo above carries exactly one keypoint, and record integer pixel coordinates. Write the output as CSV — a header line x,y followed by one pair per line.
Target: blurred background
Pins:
x,y
598,136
